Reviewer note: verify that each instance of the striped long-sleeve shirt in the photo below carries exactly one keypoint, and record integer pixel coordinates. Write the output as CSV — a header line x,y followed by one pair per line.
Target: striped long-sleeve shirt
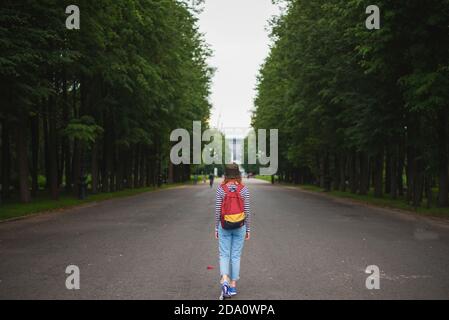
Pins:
x,y
246,203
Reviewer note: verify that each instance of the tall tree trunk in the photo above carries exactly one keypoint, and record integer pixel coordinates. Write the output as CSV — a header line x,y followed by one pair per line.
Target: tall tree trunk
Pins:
x,y
142,168
76,156
148,167
378,174
6,159
428,189
35,154
61,160
112,154
170,172
394,172
364,173
152,168
411,173
161,173
418,183
65,157
401,163
76,165
321,166
68,165
94,166
336,172
136,166
443,190
22,157
354,181
188,172
343,167
326,172
128,168
107,181
121,169
106,166
388,170
53,151
295,175
45,131
175,173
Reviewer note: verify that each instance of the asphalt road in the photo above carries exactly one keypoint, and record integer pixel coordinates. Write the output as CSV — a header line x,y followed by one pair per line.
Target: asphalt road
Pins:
x,y
159,245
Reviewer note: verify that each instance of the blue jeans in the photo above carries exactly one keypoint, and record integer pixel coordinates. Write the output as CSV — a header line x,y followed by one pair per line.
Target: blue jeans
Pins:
x,y
230,243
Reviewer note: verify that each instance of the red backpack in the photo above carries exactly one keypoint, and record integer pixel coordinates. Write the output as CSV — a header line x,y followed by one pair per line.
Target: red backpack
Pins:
x,y
232,208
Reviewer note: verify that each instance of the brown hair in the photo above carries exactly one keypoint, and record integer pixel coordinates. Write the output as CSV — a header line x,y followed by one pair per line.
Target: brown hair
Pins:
x,y
238,180
232,172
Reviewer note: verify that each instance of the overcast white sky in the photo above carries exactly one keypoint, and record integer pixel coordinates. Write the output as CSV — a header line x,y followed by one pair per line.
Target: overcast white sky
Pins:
x,y
236,32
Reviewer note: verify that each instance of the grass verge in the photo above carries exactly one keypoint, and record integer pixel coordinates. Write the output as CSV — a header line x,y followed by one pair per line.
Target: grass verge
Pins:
x,y
265,178
385,202
42,203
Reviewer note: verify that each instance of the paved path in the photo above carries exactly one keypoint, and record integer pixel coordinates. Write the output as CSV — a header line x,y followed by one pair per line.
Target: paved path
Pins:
x,y
158,246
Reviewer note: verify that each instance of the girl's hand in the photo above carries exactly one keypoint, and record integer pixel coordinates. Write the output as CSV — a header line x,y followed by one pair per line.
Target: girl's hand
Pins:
x,y
247,237
216,235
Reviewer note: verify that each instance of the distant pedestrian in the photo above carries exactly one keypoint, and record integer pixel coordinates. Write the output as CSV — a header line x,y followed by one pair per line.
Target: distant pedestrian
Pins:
x,y
232,227
211,179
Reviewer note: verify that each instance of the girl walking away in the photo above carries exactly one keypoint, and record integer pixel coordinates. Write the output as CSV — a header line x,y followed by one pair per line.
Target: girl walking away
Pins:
x,y
232,227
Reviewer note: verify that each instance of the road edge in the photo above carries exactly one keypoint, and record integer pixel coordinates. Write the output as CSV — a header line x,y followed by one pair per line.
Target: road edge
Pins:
x,y
405,214
87,205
